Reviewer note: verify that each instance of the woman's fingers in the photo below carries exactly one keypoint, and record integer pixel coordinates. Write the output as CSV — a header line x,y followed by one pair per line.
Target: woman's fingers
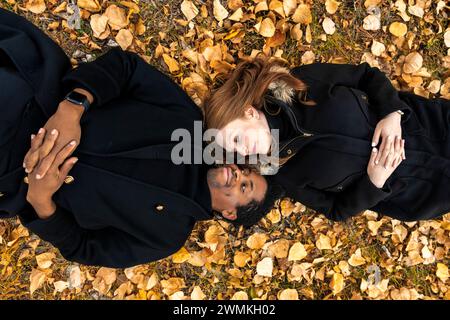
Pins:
x,y
403,149
376,137
62,155
373,156
380,150
386,151
66,167
397,151
32,157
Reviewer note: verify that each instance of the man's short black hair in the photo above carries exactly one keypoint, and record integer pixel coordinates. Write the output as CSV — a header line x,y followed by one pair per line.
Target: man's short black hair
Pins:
x,y
253,212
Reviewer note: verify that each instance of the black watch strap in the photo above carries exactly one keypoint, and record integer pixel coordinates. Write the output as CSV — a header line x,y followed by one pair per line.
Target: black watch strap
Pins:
x,y
78,98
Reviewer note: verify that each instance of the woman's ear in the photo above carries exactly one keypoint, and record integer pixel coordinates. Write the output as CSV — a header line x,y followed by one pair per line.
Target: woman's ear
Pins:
x,y
251,113
230,215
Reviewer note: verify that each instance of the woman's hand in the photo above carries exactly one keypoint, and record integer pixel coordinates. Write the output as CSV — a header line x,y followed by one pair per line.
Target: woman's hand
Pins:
x,y
389,161
388,128
40,191
62,127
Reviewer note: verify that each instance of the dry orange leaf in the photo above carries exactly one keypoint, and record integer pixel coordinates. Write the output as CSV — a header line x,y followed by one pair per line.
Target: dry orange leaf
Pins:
x,y
197,294
288,294
36,6
337,283
219,11
289,6
189,10
324,242
241,259
297,252
37,279
398,29
237,15
264,268
124,38
328,26
181,256
89,5
331,6
302,14
279,249
442,272
240,295
256,241
171,63
413,62
356,259
267,28
117,19
99,25
44,260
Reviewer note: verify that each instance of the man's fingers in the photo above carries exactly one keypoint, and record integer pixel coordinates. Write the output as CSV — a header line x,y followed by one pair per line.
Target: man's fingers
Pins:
x,y
63,154
66,167
47,145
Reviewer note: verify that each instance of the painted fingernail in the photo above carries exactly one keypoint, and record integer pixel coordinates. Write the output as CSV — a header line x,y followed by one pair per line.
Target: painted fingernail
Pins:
x,y
27,171
374,149
373,144
54,132
24,165
38,176
41,130
72,143
75,160
32,136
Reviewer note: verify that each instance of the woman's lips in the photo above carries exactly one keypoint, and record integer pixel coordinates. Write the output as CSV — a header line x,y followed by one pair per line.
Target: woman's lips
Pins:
x,y
227,175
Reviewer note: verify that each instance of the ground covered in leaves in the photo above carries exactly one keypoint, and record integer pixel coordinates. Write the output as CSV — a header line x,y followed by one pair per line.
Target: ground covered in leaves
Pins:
x,y
294,253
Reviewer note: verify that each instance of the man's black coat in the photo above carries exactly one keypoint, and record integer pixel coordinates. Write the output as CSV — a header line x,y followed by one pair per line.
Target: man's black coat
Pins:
x,y
329,171
102,218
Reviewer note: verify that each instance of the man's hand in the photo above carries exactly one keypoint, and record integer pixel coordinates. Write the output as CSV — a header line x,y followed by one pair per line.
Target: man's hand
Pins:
x,y
40,191
379,173
60,129
388,128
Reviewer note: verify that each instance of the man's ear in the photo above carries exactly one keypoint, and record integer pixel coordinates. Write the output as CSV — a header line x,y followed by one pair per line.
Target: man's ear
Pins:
x,y
251,113
230,215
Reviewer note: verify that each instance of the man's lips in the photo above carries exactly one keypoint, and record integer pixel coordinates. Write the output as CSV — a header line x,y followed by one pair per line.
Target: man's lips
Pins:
x,y
228,173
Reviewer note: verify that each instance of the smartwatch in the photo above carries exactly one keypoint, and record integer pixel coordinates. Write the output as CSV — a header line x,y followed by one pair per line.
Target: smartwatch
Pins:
x,y
78,98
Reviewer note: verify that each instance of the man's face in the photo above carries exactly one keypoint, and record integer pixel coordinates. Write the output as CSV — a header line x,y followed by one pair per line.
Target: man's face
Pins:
x,y
231,188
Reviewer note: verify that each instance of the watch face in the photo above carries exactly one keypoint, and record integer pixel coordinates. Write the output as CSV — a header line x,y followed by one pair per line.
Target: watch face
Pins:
x,y
76,97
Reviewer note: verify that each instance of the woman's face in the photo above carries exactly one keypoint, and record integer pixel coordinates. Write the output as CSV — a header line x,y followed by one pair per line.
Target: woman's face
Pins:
x,y
247,135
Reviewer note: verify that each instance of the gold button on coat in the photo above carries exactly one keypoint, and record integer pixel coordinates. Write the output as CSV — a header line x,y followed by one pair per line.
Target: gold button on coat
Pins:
x,y
69,179
1,194
289,151
159,207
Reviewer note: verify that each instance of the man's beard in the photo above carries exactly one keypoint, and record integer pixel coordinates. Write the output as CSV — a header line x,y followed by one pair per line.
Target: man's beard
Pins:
x,y
211,176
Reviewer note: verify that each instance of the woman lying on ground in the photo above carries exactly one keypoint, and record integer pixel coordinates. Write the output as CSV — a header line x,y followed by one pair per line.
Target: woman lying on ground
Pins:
x,y
348,140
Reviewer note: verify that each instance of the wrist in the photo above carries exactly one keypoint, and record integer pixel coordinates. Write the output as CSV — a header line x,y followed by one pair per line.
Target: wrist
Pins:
x,y
44,207
70,110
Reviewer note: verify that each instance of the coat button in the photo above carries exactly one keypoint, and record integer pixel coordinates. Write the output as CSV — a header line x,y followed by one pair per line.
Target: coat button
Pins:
x,y
69,179
339,187
289,151
364,97
159,207
1,194
25,179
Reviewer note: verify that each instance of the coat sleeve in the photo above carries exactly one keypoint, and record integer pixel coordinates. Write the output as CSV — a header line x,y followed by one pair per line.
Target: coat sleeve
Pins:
x,y
338,206
107,247
120,73
383,97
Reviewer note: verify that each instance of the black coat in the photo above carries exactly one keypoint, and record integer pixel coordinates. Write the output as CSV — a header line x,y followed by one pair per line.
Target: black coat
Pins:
x,y
329,171
102,218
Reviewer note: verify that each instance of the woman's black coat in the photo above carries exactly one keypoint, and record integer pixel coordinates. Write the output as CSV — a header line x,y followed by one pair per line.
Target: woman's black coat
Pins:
x,y
329,171
102,218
